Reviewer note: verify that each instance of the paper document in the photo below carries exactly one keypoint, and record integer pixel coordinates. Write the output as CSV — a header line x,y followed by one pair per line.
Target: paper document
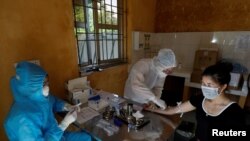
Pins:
x,y
86,114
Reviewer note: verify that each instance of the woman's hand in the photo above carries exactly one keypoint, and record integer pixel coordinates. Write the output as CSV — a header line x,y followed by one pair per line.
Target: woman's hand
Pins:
x,y
153,108
152,105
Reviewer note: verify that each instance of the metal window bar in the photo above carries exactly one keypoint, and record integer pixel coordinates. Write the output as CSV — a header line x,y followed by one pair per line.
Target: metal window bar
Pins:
x,y
105,23
103,42
102,34
75,22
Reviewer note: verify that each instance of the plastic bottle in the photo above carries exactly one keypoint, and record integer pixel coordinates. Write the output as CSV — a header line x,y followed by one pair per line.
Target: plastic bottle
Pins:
x,y
115,103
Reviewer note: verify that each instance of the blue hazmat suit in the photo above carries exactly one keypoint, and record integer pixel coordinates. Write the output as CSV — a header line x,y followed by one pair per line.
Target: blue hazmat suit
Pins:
x,y
31,117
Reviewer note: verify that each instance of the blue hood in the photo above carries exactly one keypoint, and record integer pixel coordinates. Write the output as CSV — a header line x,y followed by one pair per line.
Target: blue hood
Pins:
x,y
31,117
28,82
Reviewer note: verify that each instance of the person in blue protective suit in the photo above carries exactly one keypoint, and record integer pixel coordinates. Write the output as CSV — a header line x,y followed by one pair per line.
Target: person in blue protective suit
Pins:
x,y
31,117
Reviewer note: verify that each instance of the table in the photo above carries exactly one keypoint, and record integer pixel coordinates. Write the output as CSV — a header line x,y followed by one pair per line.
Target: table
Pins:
x,y
186,73
160,128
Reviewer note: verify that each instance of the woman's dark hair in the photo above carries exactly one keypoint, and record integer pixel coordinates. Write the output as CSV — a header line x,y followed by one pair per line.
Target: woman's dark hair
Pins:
x,y
220,72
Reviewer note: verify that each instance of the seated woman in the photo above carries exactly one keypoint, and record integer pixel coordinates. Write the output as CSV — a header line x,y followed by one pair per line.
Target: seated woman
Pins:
x,y
31,117
214,110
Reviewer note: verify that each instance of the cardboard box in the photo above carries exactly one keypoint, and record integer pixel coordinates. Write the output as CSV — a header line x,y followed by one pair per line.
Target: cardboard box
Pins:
x,y
196,76
204,58
78,90
236,81
76,96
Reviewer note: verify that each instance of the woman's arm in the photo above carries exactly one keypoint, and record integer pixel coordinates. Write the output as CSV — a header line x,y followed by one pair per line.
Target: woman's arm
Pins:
x,y
179,109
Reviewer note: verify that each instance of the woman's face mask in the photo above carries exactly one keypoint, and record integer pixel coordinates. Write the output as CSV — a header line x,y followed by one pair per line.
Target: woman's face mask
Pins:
x,y
209,92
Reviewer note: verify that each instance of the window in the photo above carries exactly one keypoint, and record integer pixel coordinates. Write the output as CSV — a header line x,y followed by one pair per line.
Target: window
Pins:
x,y
100,29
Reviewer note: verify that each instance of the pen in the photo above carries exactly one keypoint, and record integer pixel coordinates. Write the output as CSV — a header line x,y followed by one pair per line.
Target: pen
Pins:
x,y
77,105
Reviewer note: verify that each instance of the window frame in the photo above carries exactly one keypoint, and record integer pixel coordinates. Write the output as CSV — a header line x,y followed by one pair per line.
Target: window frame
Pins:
x,y
121,27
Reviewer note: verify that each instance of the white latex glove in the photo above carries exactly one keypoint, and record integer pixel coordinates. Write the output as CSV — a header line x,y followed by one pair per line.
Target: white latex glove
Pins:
x,y
68,119
69,107
159,102
138,115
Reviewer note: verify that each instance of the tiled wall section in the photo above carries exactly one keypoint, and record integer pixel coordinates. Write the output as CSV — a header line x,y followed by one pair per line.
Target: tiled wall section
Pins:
x,y
234,46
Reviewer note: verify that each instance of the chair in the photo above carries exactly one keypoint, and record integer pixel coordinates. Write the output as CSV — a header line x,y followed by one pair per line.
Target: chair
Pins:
x,y
173,90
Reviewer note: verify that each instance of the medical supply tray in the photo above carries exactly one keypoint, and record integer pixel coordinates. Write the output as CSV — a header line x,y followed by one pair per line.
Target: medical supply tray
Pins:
x,y
122,117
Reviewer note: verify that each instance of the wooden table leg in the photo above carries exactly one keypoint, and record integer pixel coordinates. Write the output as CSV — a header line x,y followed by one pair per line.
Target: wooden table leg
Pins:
x,y
242,101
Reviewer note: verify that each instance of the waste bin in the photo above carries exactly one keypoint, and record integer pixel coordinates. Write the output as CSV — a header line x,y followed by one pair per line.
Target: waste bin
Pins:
x,y
185,131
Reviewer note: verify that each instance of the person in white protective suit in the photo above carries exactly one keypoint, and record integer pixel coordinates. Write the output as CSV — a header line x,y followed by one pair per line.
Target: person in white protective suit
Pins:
x,y
146,79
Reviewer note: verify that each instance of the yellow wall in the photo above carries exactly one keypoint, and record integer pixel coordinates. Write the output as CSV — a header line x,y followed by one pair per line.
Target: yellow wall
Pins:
x,y
43,29
202,15
141,17
112,79
34,29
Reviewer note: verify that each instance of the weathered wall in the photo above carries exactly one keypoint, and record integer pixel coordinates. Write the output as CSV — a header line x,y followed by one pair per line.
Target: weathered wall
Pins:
x,y
34,29
208,15
111,80
141,17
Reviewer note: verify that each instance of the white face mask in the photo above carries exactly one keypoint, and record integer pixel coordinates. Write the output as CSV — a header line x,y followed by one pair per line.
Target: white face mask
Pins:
x,y
210,93
46,91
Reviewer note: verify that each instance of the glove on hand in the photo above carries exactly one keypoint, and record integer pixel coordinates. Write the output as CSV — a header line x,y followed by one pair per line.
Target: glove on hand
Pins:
x,y
69,107
159,102
68,119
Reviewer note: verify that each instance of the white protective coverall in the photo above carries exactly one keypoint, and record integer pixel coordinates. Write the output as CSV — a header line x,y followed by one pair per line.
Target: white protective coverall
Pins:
x,y
146,79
